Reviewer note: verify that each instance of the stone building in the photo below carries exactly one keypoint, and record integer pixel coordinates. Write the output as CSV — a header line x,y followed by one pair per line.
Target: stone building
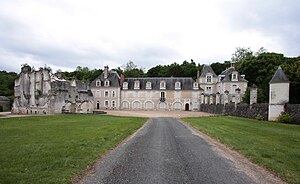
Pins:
x,y
4,104
40,92
221,89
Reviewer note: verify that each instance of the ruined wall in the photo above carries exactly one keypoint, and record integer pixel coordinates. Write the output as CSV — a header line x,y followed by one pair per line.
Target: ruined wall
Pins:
x,y
37,92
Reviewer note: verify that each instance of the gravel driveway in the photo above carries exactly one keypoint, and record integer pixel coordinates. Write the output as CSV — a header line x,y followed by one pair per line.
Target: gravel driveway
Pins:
x,y
167,151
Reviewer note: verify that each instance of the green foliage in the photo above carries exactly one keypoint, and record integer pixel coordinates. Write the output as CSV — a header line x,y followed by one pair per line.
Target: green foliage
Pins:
x,y
131,70
285,118
241,54
52,149
186,69
292,71
259,70
7,84
272,145
220,67
259,117
83,73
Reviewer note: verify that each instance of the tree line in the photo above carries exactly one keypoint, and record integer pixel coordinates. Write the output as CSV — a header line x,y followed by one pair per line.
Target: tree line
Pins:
x,y
259,67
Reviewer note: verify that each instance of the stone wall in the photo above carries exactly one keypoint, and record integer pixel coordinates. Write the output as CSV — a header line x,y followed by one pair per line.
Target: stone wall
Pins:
x,y
294,110
241,110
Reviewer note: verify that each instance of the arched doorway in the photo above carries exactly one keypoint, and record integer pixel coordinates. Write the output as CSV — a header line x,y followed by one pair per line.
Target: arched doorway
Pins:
x,y
187,107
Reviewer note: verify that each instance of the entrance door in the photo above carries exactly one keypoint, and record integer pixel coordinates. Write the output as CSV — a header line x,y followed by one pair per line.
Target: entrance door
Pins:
x,y
187,107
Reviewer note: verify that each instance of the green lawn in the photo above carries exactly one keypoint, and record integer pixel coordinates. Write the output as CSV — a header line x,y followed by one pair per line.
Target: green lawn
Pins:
x,y
52,149
273,145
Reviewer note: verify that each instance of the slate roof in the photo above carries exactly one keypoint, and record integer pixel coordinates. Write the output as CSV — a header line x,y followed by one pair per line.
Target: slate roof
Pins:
x,y
3,98
207,69
279,77
185,83
113,77
227,75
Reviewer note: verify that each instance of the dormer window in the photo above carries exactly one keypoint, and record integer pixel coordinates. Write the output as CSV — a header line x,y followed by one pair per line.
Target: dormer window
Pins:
x,y
106,83
195,86
234,76
125,85
162,85
136,84
208,79
148,85
177,85
98,83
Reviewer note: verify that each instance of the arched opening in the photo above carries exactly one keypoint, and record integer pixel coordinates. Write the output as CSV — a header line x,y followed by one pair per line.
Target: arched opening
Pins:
x,y
187,107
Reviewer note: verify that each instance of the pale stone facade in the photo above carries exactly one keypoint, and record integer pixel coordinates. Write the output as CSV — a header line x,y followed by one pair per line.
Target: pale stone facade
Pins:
x,y
278,94
40,92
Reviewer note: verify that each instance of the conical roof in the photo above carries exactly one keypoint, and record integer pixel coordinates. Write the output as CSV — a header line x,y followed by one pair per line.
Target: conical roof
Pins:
x,y
279,77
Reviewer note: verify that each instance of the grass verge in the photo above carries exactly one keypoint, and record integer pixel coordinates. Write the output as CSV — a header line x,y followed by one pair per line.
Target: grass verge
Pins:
x,y
272,145
52,149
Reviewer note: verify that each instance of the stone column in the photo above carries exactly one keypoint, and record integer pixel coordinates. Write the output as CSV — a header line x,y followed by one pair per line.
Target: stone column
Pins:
x,y
211,99
253,94
226,97
218,98
205,99
202,98
237,96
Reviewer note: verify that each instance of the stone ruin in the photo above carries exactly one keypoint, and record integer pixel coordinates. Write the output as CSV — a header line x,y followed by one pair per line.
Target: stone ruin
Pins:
x,y
41,92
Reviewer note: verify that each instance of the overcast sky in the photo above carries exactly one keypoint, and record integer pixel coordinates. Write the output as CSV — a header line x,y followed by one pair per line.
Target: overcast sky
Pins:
x,y
64,34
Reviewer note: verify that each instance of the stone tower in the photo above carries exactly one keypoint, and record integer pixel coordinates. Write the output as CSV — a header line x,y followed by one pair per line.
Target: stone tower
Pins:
x,y
279,94
253,94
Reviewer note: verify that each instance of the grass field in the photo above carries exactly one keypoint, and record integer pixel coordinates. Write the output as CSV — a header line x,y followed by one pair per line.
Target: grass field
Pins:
x,y
52,149
273,145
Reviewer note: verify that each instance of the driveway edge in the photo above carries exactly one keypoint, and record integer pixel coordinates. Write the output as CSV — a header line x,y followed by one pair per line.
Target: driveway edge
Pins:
x,y
241,163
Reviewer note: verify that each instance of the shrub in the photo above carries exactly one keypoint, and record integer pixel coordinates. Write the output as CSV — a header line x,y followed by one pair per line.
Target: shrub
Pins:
x,y
285,118
259,117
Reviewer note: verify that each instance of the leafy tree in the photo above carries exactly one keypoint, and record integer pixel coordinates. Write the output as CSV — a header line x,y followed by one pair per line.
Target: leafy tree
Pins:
x,y
131,70
220,67
241,54
83,73
7,83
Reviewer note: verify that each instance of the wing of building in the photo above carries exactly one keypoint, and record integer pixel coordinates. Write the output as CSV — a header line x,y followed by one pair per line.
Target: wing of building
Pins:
x,y
40,92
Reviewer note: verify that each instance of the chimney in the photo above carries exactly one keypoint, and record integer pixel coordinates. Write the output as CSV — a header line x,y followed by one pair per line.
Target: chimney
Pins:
x,y
105,72
121,79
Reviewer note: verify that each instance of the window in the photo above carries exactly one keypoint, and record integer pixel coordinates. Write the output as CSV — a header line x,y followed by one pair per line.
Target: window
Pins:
x,y
234,87
136,84
106,83
177,85
113,104
148,85
196,85
208,89
162,96
162,85
125,85
234,77
98,93
106,94
208,78
106,103
113,94
98,83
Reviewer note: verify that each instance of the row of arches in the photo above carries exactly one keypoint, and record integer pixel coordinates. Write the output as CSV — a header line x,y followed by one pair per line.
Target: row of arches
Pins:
x,y
150,105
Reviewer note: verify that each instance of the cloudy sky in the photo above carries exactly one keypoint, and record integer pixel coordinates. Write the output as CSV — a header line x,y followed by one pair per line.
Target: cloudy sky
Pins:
x,y
64,34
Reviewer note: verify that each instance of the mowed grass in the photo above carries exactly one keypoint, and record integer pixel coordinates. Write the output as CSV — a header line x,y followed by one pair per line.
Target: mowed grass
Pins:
x,y
272,145
52,149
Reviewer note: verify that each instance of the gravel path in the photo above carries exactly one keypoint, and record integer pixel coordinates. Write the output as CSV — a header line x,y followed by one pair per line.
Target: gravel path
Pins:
x,y
167,151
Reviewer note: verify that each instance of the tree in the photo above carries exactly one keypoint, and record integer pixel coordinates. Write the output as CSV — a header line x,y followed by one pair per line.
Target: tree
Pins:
x,y
241,54
131,70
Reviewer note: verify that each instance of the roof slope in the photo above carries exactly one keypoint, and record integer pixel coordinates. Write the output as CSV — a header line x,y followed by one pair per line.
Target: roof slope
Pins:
x,y
227,75
207,69
279,77
113,77
186,83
